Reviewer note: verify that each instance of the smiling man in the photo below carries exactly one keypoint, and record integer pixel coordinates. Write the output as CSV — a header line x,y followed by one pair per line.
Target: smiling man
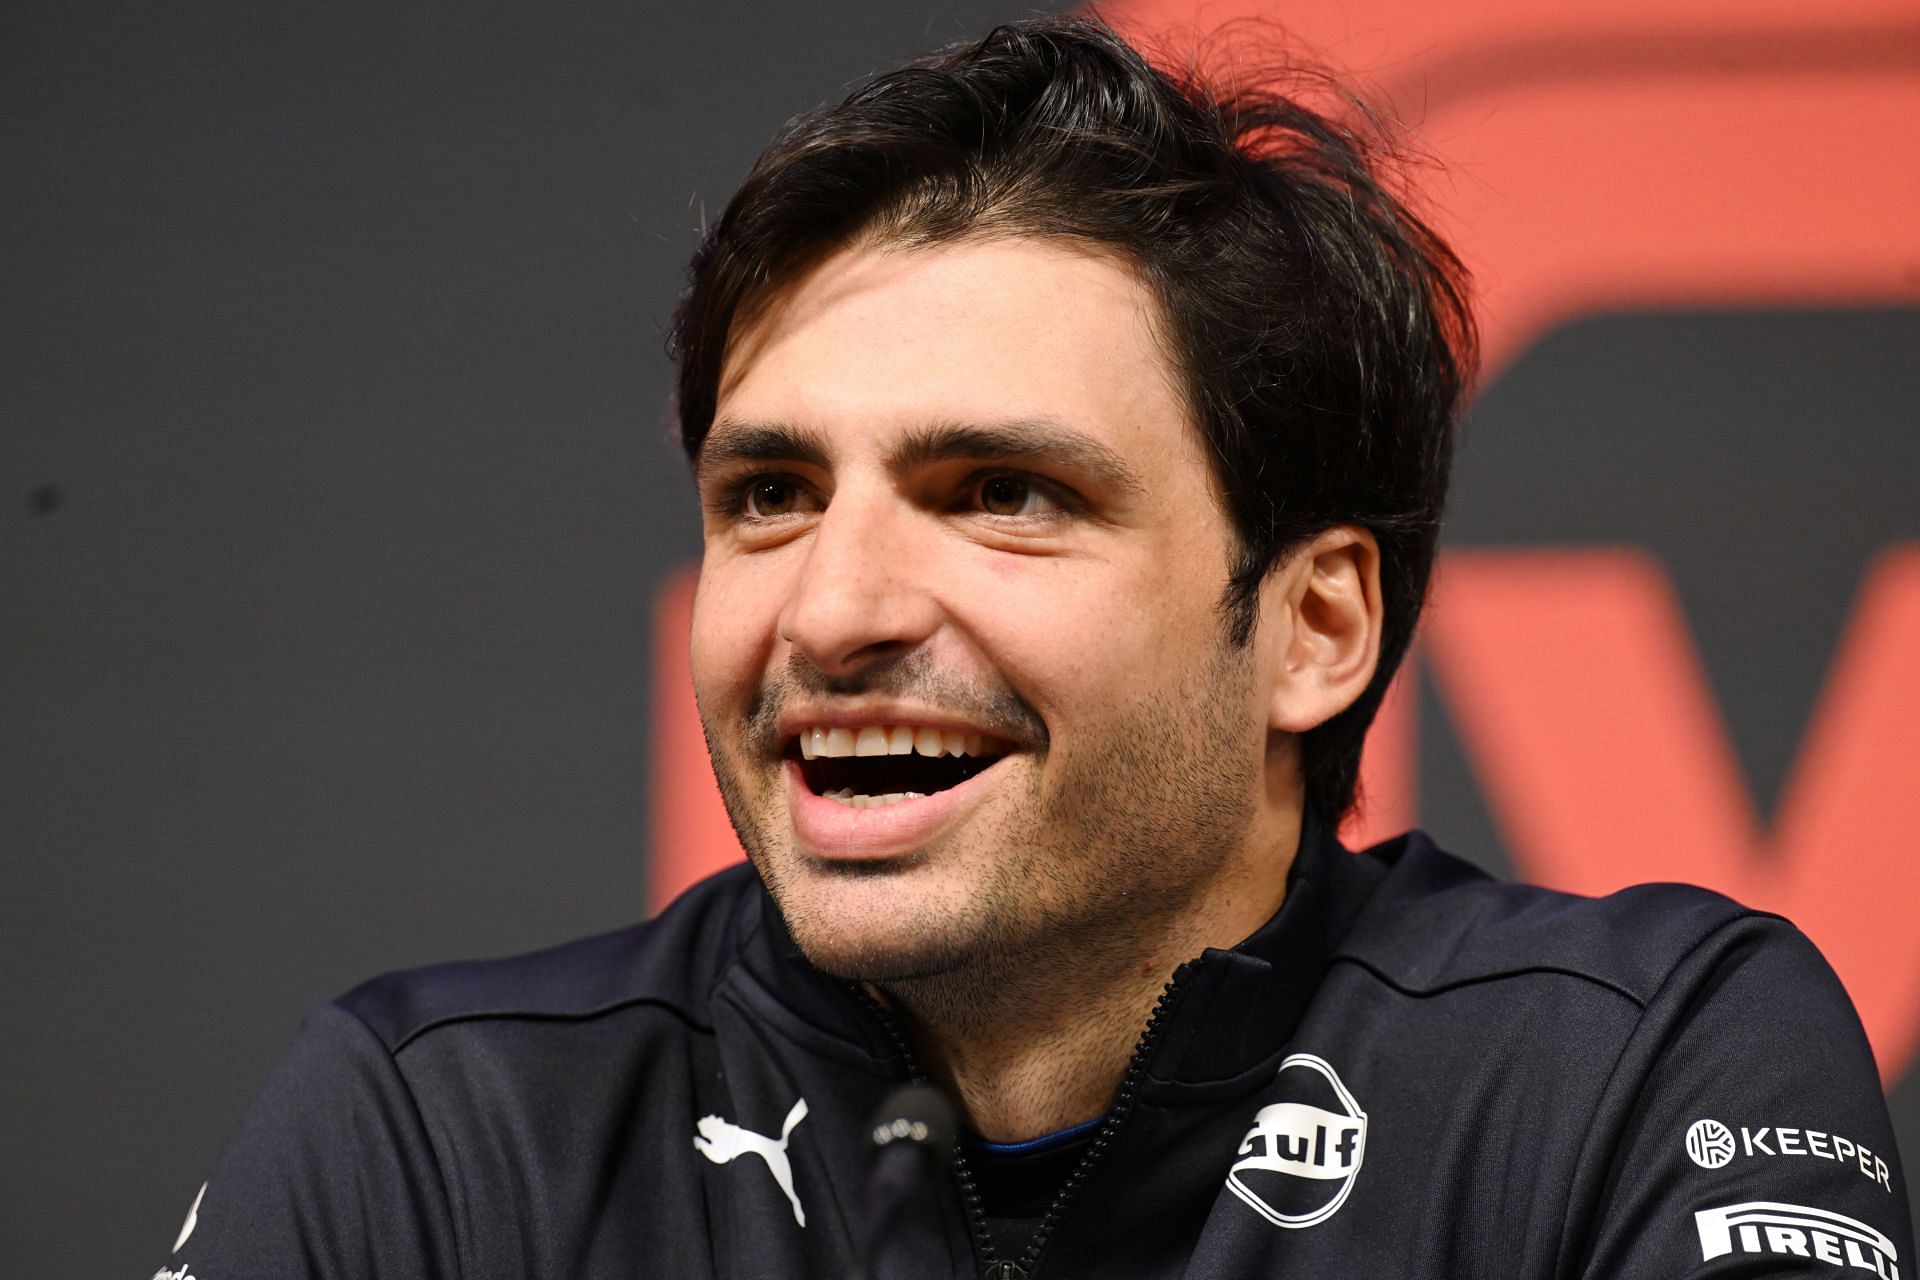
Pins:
x,y
960,651
1071,445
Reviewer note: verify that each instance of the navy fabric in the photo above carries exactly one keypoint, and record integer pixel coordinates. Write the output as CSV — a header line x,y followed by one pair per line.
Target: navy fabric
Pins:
x,y
1411,1071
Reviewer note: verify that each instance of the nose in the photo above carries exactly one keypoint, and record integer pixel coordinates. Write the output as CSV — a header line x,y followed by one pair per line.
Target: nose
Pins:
x,y
860,596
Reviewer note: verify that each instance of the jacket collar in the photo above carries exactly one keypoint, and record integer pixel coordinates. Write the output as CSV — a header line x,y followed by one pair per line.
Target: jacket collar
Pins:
x,y
1233,1012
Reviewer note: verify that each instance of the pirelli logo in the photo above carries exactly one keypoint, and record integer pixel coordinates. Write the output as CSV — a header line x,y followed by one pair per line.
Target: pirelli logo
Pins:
x,y
1792,1230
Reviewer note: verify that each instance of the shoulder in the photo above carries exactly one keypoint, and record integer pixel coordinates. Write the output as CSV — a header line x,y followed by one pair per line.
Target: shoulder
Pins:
x,y
1656,1061
670,963
1437,922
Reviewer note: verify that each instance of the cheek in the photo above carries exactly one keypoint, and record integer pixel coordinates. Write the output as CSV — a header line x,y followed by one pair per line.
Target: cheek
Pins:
x,y
1075,636
1115,614
732,633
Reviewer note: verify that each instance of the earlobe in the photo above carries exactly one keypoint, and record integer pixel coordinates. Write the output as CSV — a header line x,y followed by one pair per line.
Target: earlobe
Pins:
x,y
1323,615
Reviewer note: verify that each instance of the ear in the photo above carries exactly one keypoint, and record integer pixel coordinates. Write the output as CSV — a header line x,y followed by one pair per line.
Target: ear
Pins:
x,y
1320,619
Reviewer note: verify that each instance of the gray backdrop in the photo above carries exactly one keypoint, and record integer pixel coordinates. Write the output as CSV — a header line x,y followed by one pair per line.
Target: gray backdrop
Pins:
x,y
334,487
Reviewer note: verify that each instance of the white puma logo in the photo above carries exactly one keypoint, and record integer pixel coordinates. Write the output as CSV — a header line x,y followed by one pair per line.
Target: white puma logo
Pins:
x,y
721,1141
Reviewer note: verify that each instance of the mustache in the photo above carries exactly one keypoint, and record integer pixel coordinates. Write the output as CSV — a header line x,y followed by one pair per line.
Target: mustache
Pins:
x,y
910,677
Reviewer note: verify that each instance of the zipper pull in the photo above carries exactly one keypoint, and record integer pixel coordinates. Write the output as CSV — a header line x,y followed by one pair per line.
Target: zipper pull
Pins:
x,y
1003,1271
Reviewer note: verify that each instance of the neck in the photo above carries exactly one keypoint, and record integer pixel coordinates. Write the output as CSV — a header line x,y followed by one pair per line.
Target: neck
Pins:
x,y
1035,1042
1020,1062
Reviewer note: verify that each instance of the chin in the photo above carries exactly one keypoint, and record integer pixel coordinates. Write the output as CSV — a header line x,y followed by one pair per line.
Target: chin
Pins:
x,y
870,927
879,955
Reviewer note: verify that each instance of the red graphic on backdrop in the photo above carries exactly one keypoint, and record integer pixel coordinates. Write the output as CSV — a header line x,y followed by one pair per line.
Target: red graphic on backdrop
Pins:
x,y
1642,153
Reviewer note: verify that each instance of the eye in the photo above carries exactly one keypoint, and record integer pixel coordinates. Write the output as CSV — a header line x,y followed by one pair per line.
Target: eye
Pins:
x,y
1012,495
768,497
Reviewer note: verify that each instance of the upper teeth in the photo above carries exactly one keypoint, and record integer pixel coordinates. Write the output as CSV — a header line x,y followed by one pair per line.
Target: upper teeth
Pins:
x,y
895,740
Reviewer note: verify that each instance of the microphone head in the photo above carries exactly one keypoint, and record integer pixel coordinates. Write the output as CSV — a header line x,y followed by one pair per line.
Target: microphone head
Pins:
x,y
918,1115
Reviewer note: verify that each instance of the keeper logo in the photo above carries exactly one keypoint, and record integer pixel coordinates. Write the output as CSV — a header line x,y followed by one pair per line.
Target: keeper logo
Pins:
x,y
1300,1158
1795,1231
1710,1144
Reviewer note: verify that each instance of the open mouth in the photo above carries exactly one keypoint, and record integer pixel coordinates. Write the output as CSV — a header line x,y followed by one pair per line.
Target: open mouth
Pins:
x,y
877,765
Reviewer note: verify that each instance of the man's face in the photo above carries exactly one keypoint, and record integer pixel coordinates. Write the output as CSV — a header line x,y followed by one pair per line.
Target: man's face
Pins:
x,y
959,525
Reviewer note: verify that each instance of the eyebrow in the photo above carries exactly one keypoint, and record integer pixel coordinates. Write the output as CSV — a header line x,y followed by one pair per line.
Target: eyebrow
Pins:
x,y
1040,441
732,442
1030,440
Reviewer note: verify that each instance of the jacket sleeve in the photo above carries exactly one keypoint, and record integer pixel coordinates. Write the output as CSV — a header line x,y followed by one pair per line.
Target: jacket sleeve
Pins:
x,y
1745,1132
329,1174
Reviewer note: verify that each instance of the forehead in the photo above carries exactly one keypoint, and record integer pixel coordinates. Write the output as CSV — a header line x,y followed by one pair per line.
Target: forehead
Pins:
x,y
876,340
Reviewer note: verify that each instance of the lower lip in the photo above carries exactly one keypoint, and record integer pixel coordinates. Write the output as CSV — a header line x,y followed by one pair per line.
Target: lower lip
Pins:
x,y
834,832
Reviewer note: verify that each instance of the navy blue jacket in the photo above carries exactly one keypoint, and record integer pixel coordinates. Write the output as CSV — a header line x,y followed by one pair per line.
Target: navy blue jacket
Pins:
x,y
1411,1071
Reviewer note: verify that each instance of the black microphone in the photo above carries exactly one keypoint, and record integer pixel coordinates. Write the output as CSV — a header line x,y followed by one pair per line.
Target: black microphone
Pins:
x,y
913,1136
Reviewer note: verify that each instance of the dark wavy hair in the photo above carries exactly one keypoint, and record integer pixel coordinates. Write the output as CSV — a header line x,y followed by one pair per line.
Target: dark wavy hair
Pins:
x,y
1321,329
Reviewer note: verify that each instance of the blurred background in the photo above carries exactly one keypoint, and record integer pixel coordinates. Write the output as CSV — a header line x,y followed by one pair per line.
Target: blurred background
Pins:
x,y
343,547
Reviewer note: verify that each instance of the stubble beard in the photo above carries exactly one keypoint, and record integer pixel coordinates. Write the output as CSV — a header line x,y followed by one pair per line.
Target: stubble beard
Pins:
x,y
1087,874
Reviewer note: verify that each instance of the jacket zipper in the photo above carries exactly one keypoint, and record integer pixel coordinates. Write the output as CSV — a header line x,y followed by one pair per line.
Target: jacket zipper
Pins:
x,y
1028,1264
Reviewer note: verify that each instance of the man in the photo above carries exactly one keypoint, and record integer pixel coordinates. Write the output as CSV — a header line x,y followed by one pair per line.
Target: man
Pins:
x,y
1071,448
